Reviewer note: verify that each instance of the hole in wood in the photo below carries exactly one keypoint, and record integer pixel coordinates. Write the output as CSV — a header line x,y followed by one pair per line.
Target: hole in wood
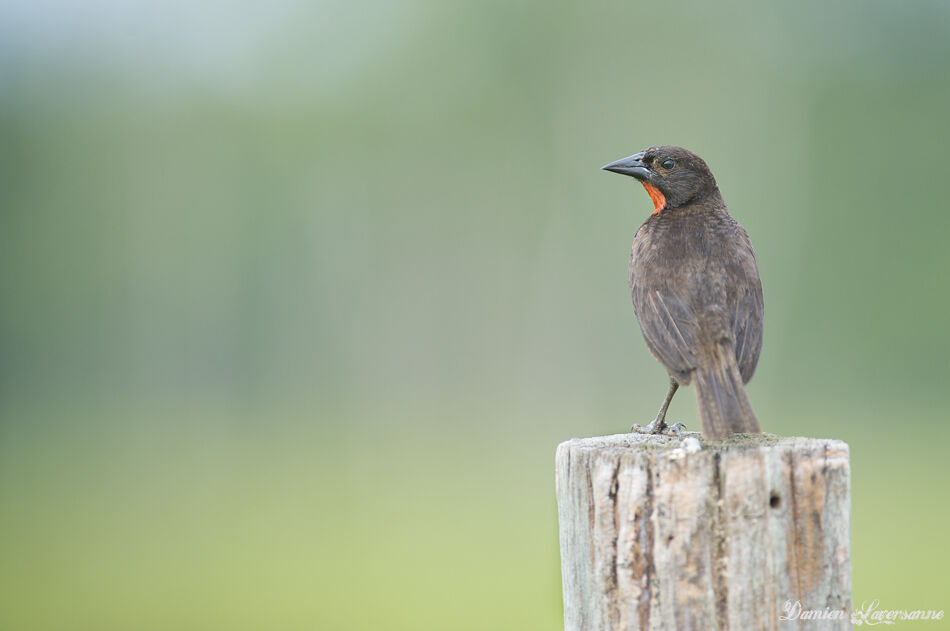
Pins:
x,y
774,500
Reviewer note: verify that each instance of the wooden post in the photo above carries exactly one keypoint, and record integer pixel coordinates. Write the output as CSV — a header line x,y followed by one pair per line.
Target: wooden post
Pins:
x,y
670,533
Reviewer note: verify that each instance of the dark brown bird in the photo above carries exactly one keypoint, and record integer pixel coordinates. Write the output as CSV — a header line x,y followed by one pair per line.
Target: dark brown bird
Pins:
x,y
696,289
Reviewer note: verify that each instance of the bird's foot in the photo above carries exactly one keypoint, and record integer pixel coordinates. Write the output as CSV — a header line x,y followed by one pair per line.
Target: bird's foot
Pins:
x,y
677,428
659,426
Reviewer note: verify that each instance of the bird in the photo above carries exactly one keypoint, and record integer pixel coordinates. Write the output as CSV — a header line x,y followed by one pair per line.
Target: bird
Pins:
x,y
696,291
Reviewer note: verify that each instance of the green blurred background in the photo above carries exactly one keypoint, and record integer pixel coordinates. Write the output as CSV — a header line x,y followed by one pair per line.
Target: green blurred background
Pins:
x,y
297,299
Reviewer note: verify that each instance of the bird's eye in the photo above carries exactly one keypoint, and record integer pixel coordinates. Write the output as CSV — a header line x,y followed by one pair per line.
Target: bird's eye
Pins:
x,y
668,164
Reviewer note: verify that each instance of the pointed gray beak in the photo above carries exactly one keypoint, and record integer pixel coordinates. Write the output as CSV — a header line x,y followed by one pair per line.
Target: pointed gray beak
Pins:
x,y
631,165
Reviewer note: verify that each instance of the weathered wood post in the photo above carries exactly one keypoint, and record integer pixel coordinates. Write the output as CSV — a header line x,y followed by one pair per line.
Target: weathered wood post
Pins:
x,y
669,533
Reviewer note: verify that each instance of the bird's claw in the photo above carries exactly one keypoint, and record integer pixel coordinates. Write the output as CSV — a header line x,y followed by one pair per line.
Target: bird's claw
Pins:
x,y
677,428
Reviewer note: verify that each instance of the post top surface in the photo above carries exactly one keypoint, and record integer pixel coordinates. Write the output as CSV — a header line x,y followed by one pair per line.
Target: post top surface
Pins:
x,y
651,442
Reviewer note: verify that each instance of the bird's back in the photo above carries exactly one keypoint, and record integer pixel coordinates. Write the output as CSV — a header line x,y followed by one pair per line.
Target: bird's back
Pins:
x,y
695,284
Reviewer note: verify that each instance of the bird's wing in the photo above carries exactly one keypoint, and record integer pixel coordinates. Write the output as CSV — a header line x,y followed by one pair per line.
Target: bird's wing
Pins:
x,y
748,312
747,326
669,328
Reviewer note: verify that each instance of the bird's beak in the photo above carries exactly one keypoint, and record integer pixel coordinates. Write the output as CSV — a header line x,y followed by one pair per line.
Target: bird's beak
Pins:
x,y
631,165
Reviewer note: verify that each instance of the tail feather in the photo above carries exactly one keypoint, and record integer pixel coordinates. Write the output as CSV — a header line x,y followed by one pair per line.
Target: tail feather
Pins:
x,y
721,399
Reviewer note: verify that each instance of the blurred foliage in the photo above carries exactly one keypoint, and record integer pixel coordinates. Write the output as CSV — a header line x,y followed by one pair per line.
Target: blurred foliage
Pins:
x,y
296,300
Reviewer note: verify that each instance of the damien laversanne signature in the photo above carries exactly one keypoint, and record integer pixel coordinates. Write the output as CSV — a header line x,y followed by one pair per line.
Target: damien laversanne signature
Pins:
x,y
870,613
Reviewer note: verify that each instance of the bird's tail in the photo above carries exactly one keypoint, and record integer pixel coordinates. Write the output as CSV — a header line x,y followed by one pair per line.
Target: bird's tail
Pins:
x,y
721,399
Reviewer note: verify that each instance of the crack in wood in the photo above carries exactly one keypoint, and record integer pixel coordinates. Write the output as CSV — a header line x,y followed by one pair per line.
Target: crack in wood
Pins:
x,y
719,561
613,583
646,547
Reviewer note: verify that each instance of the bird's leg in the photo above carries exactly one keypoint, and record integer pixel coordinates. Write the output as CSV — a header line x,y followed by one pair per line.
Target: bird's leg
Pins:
x,y
658,425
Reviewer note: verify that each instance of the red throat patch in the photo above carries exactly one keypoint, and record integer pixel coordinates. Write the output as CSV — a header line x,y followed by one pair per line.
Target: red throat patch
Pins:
x,y
659,201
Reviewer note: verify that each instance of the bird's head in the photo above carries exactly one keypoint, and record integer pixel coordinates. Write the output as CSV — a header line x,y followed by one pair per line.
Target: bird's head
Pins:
x,y
673,176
